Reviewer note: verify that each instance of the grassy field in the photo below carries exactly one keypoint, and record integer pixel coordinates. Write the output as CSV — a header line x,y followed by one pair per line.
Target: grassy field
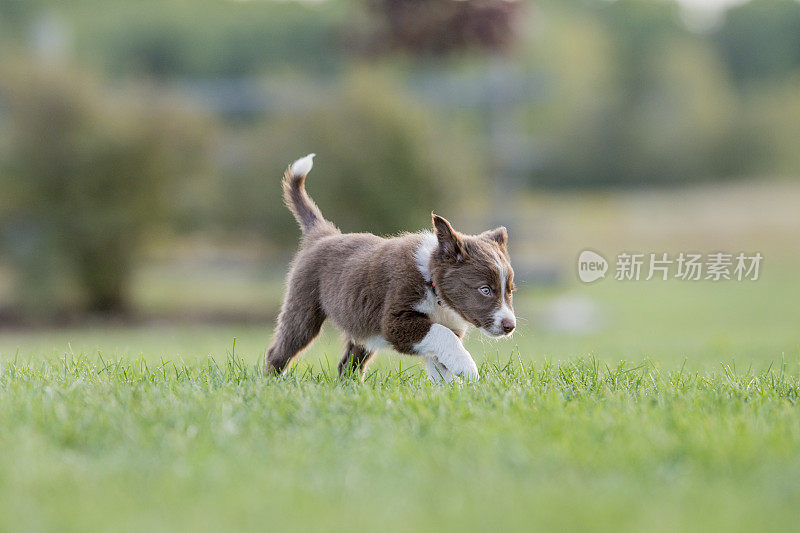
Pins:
x,y
667,406
120,445
163,427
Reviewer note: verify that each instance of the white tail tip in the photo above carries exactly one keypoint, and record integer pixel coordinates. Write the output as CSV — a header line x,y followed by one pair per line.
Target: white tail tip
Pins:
x,y
302,166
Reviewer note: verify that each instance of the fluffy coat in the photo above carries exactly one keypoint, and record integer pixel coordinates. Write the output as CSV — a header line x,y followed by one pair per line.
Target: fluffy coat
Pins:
x,y
416,293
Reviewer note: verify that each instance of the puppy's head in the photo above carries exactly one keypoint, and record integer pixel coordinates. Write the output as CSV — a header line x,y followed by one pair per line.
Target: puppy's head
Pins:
x,y
473,276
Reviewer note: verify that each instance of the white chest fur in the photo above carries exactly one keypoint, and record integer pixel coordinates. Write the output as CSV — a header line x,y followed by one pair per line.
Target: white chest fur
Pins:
x,y
441,314
438,314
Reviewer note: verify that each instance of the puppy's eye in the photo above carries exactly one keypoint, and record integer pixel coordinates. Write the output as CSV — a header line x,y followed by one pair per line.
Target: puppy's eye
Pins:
x,y
486,290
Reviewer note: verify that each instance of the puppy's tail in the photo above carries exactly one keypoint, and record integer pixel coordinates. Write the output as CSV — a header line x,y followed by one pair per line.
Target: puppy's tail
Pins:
x,y
294,194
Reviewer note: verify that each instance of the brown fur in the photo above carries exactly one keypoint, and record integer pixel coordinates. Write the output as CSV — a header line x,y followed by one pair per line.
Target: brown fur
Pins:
x,y
463,263
355,359
371,287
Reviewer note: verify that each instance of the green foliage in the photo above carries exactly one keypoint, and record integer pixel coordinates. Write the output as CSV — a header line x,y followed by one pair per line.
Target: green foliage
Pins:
x,y
381,166
15,18
637,100
86,175
207,38
656,103
760,40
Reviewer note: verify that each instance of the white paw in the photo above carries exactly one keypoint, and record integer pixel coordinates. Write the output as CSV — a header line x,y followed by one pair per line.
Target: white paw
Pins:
x,y
443,345
469,372
462,366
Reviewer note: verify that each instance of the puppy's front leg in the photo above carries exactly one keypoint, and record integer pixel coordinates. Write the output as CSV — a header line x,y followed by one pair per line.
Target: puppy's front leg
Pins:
x,y
449,350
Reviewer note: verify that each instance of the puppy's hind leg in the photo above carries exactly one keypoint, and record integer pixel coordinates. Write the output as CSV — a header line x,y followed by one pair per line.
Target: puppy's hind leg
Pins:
x,y
355,359
298,324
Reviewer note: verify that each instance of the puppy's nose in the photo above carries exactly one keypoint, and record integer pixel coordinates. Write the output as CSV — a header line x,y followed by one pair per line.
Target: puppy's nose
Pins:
x,y
508,325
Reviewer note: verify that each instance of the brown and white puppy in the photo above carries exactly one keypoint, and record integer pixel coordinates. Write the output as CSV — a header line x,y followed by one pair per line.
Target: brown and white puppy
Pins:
x,y
416,293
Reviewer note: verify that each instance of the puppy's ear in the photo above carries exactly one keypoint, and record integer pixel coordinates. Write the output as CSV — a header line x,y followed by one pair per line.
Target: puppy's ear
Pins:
x,y
450,243
498,235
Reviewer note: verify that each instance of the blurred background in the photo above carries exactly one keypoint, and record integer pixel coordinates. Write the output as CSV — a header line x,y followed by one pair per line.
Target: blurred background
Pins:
x,y
142,146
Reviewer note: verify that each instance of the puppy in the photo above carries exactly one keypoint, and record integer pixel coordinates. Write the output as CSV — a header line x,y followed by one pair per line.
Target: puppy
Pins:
x,y
416,293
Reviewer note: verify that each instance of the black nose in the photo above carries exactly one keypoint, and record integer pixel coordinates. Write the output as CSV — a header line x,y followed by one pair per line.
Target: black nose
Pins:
x,y
508,325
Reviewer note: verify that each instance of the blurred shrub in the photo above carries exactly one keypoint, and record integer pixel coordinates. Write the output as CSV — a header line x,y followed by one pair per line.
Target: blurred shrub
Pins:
x,y
774,116
637,100
633,96
86,174
760,40
381,166
208,38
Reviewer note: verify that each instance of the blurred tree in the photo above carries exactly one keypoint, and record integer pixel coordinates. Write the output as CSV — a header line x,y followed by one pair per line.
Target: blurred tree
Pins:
x,y
208,38
381,165
760,40
637,100
15,18
441,26
87,175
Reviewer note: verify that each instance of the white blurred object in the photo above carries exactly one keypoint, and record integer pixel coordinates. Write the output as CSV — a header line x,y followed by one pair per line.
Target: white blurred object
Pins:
x,y
51,38
571,314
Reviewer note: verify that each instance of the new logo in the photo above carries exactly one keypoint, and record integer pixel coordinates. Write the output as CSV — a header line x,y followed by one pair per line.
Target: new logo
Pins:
x,y
591,266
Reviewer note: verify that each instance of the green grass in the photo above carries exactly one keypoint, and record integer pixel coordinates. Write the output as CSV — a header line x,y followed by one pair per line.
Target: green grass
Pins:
x,y
91,443
163,427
